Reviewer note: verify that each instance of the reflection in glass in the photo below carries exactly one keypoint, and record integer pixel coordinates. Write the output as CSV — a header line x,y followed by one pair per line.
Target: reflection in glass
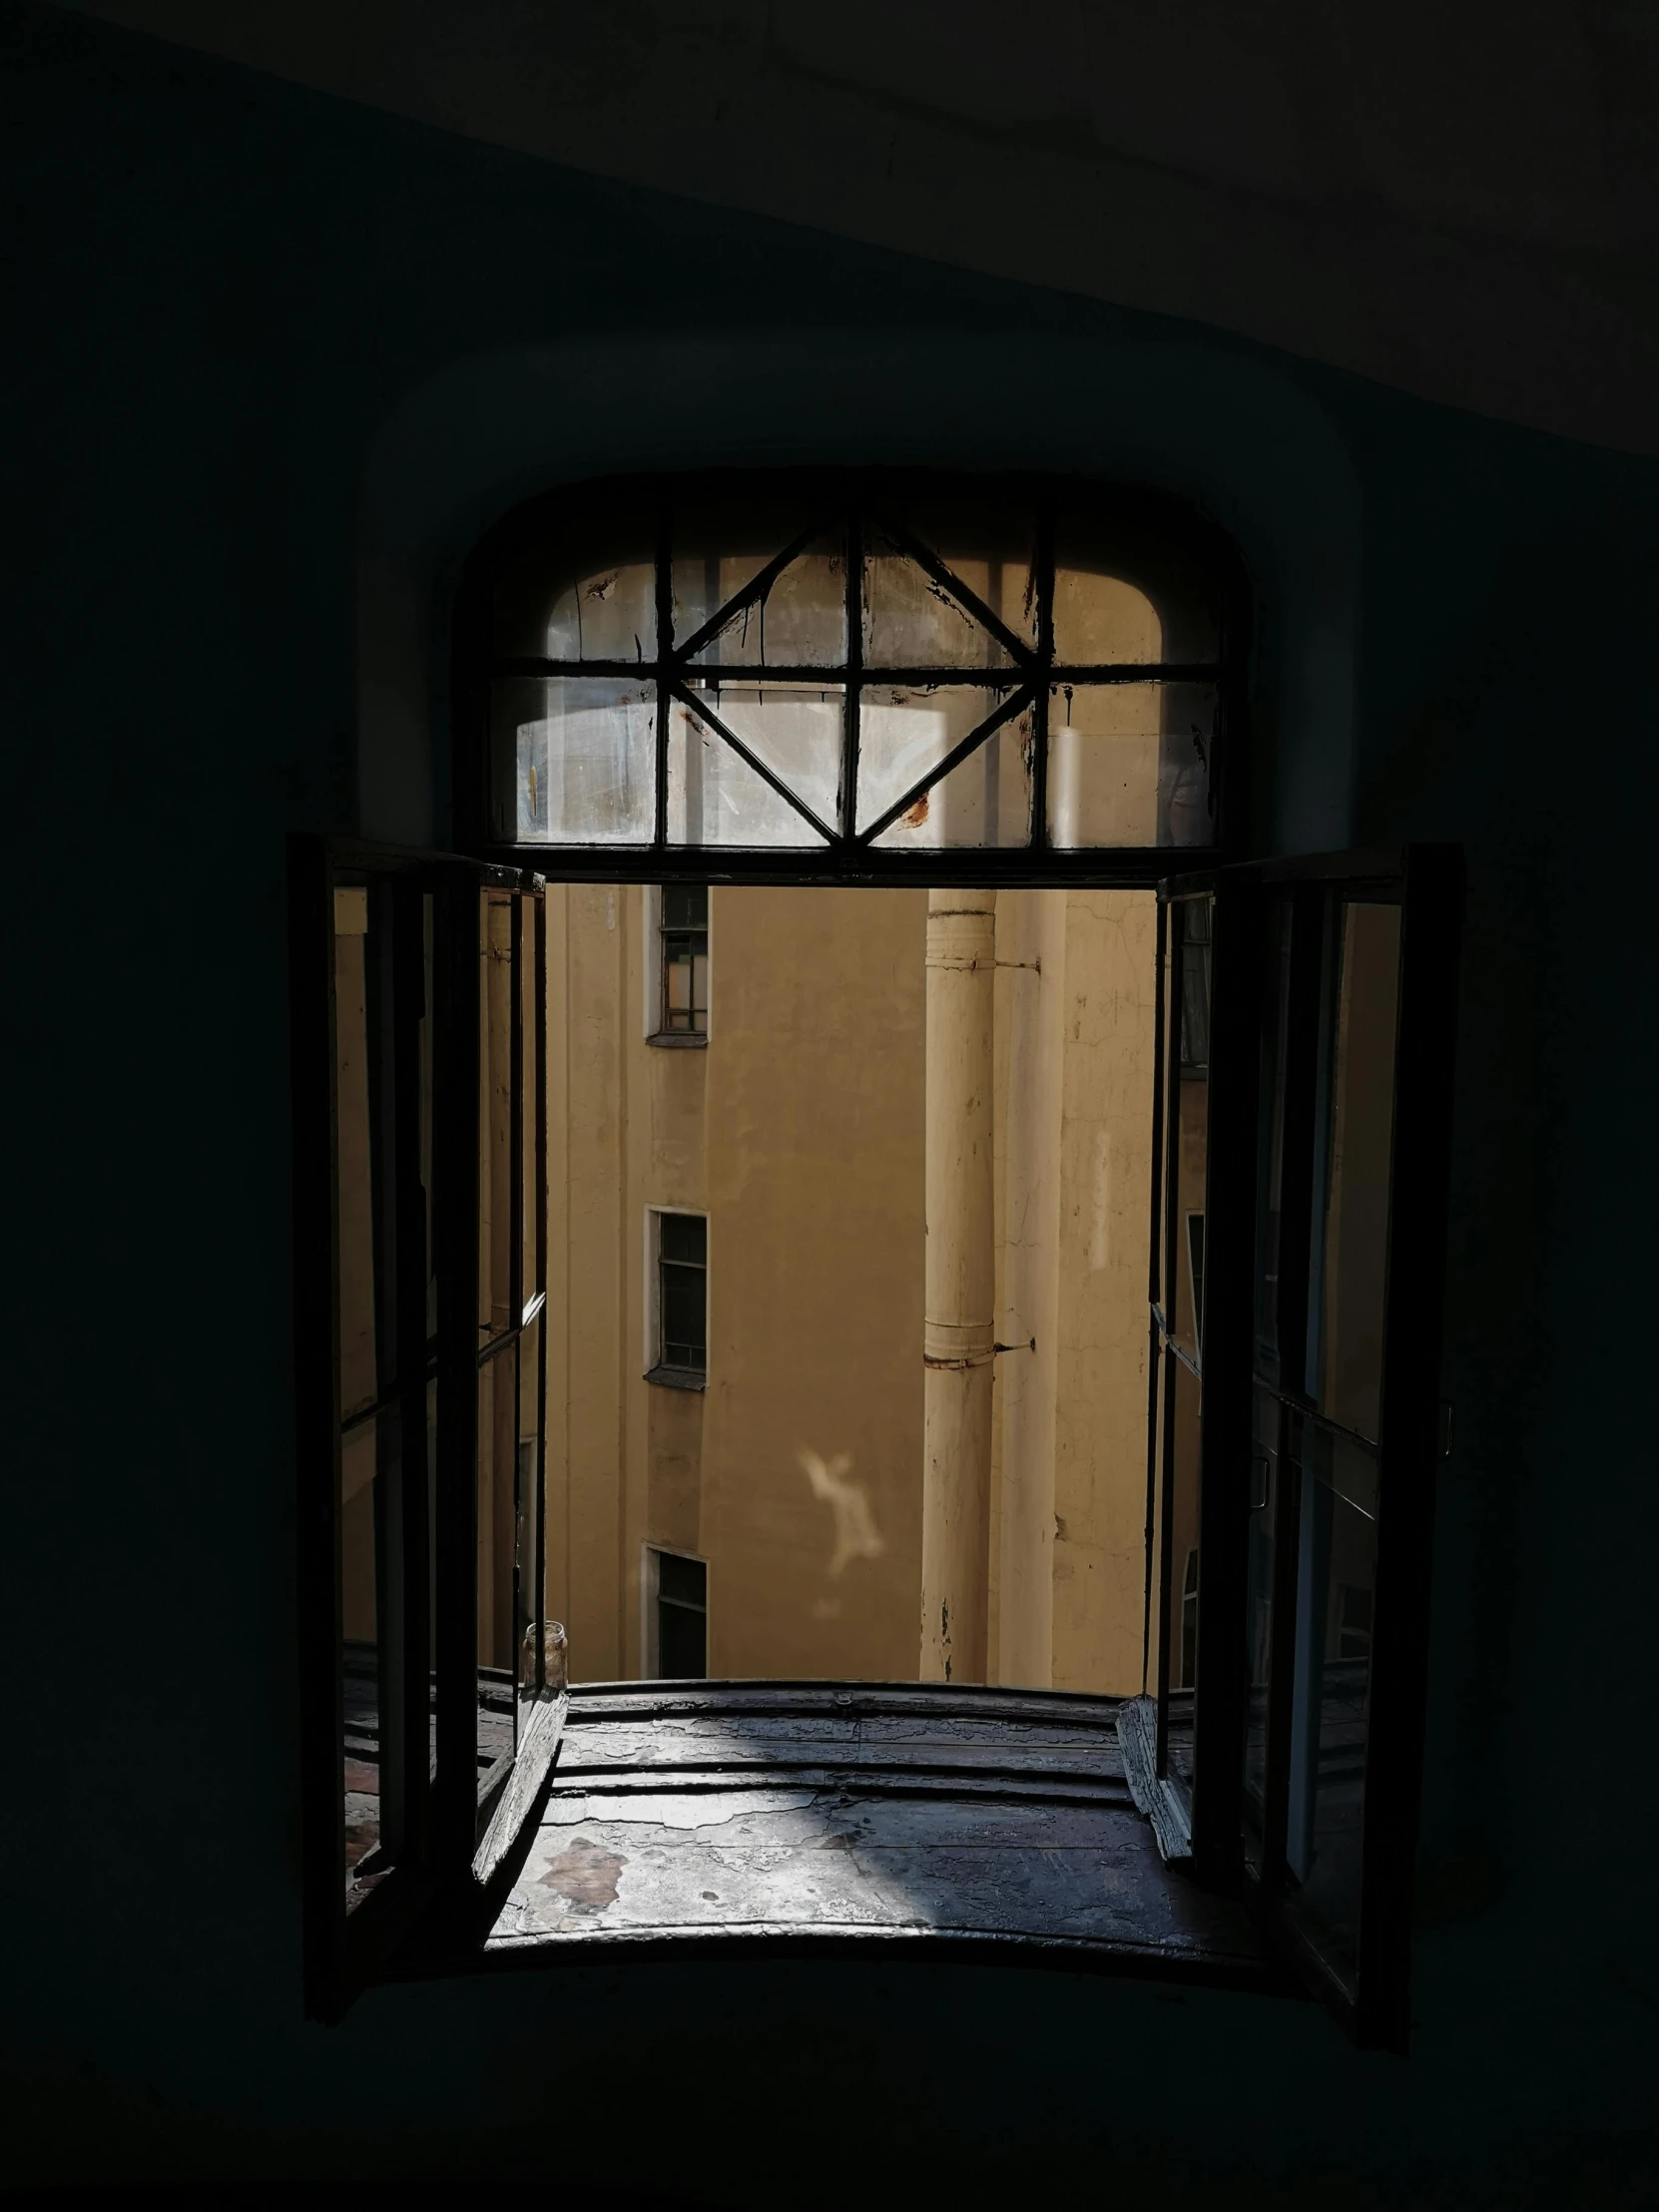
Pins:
x,y
714,797
1355,1246
1269,1208
1128,764
368,1476
584,749
530,1123
1336,1564
356,1153
907,730
985,801
496,1229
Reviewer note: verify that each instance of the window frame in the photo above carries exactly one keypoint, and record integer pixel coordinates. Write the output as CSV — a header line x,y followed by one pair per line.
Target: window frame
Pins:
x,y
1152,518
1205,1817
456,1836
667,1374
653,1600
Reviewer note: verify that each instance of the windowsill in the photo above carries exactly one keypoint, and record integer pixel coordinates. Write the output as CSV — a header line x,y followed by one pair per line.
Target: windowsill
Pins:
x,y
923,1820
679,1379
679,1039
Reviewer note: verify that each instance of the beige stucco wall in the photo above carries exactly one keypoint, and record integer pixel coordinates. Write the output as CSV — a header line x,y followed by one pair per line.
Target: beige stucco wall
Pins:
x,y
800,1132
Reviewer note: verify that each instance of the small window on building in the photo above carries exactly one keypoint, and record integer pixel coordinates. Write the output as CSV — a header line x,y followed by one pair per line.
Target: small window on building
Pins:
x,y
682,1277
680,1594
682,964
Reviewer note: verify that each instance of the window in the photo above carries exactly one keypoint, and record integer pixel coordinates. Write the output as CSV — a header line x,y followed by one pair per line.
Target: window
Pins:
x,y
681,1000
1299,1448
850,678
859,669
677,1596
679,1336
420,996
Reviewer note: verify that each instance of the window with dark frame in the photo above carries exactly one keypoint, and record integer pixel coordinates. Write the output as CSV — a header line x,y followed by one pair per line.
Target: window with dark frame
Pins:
x,y
682,1623
682,1260
845,677
683,961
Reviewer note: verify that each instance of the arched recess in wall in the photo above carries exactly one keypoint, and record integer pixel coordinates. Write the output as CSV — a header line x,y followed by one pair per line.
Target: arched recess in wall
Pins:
x,y
1214,424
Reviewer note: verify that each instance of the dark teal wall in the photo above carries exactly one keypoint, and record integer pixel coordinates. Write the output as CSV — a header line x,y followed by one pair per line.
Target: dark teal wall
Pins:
x,y
221,291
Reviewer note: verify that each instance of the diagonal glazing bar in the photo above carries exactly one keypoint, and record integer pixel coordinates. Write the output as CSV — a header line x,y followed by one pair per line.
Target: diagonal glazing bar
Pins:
x,y
1015,703
754,591
753,759
1018,649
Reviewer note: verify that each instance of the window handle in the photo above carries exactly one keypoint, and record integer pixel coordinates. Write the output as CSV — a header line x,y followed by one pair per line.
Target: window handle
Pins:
x,y
1261,1478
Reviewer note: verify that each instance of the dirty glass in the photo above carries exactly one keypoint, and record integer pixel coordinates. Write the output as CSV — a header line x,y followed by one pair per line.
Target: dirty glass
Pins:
x,y
584,750
983,800
797,730
913,619
1264,1505
907,731
953,578
1128,764
1271,1171
715,798
798,620
530,1019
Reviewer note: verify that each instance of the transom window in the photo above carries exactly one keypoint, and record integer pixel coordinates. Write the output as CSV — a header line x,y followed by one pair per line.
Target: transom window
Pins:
x,y
856,667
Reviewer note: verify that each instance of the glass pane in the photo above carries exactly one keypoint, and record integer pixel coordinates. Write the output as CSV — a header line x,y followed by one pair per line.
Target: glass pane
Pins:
x,y
913,621
682,1643
1272,1164
532,1672
1125,589
1190,924
585,749
797,730
985,801
800,621
530,1172
1181,1623
988,544
356,1154
498,1423
586,589
905,731
683,1579
496,1228
1337,1568
368,1476
716,799
1264,1484
1128,764
1355,1253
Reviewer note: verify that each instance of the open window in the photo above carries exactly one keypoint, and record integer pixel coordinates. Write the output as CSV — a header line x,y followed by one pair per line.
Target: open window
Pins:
x,y
419,1047
991,709
1295,1426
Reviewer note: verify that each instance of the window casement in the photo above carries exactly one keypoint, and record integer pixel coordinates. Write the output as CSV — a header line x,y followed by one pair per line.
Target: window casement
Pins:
x,y
680,998
910,680
433,1690
678,1323
677,1616
1293,1455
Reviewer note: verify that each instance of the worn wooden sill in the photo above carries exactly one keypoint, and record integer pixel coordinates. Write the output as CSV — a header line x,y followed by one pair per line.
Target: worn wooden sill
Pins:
x,y
679,1379
829,1818
683,1041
